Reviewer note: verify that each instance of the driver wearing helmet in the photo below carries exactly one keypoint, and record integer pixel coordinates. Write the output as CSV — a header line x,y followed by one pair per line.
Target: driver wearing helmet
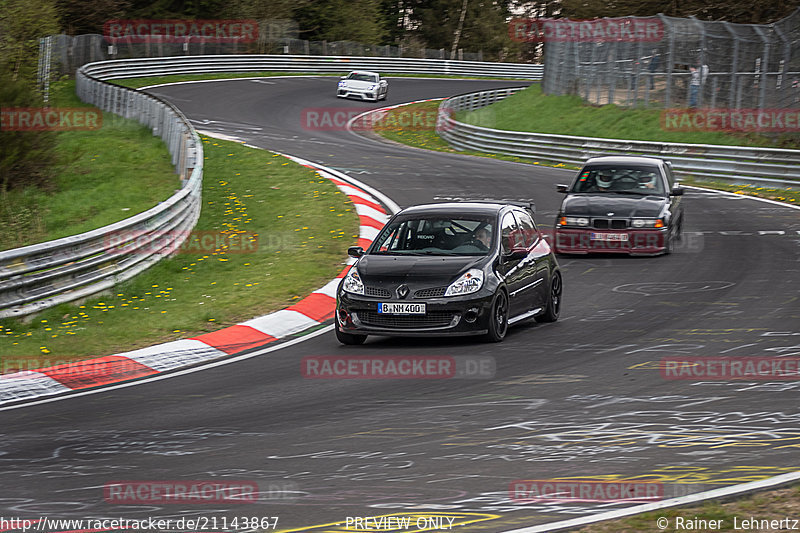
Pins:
x,y
604,180
647,181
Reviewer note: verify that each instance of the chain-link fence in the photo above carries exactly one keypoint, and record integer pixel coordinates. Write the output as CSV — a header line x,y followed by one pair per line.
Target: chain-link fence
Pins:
x,y
71,52
695,64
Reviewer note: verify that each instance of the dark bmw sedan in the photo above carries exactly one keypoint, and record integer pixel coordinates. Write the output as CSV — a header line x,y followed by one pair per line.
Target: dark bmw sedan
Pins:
x,y
620,204
450,269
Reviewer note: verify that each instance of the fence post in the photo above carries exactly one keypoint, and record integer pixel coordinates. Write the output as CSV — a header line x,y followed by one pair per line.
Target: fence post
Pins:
x,y
762,78
732,99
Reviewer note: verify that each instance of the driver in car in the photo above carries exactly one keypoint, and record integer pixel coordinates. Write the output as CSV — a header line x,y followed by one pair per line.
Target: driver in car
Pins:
x,y
484,236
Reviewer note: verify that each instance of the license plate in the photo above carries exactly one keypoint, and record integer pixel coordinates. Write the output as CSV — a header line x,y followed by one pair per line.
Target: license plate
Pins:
x,y
401,309
609,236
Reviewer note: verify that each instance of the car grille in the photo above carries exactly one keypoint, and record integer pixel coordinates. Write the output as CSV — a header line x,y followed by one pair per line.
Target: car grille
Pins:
x,y
613,223
376,292
430,293
431,320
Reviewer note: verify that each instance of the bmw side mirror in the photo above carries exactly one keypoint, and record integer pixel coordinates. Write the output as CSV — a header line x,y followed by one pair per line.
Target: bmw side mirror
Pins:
x,y
343,78
355,251
562,188
677,191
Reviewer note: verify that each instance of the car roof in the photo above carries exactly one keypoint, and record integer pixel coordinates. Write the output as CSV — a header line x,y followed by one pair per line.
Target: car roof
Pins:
x,y
471,208
364,72
625,160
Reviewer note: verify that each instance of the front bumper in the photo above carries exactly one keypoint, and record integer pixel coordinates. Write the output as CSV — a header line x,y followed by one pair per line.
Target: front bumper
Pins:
x,y
454,315
639,241
351,93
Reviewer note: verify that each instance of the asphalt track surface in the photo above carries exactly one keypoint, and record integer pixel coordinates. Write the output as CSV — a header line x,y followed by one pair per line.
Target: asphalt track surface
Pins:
x,y
580,398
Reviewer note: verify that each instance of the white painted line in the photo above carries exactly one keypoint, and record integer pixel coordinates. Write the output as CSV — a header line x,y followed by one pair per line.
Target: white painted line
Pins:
x,y
733,194
371,212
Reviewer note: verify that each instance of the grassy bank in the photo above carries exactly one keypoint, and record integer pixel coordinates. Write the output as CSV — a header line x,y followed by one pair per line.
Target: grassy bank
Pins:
x,y
102,176
530,110
301,224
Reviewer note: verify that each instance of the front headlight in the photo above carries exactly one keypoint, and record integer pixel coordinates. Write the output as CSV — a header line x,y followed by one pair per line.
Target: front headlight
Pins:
x,y
647,223
371,87
573,221
352,282
342,83
470,282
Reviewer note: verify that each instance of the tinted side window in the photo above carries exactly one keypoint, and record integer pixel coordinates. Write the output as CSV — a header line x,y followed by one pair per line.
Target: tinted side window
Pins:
x,y
509,233
527,229
670,175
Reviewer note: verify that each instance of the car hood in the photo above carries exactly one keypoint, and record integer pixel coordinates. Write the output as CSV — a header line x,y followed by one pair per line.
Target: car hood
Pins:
x,y
356,84
622,206
431,270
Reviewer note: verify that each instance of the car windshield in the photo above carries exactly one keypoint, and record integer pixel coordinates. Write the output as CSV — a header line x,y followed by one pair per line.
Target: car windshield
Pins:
x,y
360,76
619,179
436,235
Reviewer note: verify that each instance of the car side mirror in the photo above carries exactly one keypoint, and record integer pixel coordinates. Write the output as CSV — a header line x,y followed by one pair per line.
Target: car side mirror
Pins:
x,y
355,251
515,253
562,188
677,191
343,77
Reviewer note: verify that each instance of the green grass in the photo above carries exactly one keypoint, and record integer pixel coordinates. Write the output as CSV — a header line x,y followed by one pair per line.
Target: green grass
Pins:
x,y
135,83
102,176
530,110
303,225
791,196
769,505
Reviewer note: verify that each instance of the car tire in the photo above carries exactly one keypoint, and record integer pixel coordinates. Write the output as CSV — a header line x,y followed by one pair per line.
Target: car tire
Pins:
x,y
349,339
553,308
498,317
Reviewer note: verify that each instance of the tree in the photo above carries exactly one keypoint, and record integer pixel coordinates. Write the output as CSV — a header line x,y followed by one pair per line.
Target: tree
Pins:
x,y
343,20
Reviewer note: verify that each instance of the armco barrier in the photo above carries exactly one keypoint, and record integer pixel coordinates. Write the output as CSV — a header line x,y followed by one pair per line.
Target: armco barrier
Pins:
x,y
39,276
163,66
42,275
767,166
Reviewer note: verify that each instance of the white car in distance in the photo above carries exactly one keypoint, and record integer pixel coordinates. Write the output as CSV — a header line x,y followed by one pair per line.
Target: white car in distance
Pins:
x,y
363,84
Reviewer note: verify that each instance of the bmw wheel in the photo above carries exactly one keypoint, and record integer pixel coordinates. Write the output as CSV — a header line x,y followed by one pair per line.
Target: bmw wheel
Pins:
x,y
498,320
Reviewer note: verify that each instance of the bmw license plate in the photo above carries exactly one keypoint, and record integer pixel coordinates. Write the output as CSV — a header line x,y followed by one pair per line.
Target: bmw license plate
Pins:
x,y
401,309
609,237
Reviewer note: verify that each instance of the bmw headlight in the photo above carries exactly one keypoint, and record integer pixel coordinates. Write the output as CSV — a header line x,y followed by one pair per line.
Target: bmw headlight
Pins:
x,y
573,221
647,223
342,83
470,282
372,87
352,282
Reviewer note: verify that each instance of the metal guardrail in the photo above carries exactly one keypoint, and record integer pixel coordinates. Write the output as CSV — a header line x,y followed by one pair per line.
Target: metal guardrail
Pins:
x,y
33,278
163,66
766,166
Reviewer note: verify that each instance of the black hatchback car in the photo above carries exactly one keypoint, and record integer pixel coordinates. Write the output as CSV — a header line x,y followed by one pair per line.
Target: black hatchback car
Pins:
x,y
620,204
450,269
